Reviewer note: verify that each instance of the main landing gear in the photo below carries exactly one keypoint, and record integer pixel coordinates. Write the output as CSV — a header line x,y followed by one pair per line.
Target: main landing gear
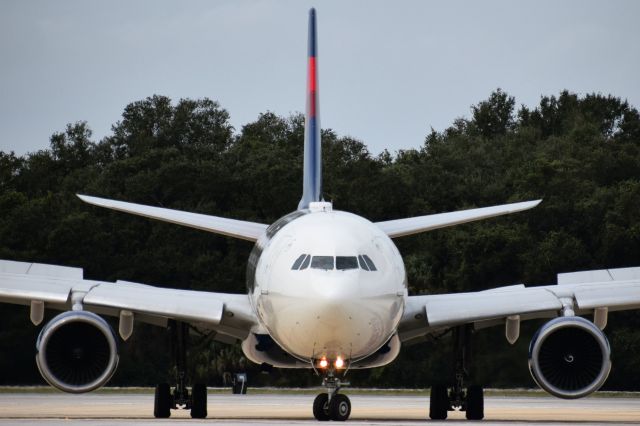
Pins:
x,y
332,405
442,399
179,397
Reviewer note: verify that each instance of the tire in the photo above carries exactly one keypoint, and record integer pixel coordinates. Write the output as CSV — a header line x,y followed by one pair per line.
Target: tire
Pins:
x,y
438,403
321,407
239,388
239,384
162,402
339,408
199,401
475,403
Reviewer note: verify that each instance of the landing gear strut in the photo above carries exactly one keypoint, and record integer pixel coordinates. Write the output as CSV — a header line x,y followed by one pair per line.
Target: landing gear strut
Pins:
x,y
332,405
472,401
179,397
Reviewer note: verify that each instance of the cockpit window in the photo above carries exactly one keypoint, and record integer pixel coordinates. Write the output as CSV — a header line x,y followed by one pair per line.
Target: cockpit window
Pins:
x,y
370,264
298,262
362,263
306,262
346,262
322,262
302,262
342,263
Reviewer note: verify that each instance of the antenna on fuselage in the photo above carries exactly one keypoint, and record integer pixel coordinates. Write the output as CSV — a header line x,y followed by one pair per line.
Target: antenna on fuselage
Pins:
x,y
312,171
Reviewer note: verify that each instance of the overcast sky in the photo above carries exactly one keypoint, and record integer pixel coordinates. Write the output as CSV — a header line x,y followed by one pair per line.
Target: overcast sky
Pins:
x,y
389,71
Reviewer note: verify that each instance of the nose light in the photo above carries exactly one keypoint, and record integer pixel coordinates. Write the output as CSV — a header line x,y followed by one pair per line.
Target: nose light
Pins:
x,y
338,363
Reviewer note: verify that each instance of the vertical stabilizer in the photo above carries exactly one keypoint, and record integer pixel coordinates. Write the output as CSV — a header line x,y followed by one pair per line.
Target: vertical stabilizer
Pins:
x,y
312,174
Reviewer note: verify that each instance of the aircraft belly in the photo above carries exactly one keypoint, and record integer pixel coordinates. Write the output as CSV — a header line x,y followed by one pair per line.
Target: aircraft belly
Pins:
x,y
311,328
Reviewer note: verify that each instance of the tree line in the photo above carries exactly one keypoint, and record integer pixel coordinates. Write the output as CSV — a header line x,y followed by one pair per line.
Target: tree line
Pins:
x,y
580,154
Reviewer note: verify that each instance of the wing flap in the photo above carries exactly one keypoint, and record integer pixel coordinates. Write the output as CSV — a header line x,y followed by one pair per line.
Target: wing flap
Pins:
x,y
186,305
22,289
599,276
28,268
22,282
461,308
245,230
614,296
614,289
413,225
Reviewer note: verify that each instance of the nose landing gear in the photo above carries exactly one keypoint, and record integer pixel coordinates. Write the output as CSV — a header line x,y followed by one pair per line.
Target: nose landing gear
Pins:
x,y
332,405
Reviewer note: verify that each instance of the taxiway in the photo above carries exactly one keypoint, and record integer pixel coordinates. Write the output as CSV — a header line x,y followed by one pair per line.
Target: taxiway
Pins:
x,y
125,408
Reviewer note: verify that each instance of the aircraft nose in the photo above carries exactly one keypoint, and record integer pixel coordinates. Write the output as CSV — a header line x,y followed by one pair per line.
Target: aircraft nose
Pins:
x,y
334,313
350,326
335,288
348,318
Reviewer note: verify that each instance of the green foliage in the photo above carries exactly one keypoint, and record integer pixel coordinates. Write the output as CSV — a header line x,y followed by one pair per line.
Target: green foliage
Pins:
x,y
580,154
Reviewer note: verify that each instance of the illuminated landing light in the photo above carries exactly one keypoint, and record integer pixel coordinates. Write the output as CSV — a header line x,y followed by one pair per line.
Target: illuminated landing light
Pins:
x,y
323,363
339,363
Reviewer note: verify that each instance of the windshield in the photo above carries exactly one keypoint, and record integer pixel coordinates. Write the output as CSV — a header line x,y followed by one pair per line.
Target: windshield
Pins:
x,y
346,262
328,263
322,262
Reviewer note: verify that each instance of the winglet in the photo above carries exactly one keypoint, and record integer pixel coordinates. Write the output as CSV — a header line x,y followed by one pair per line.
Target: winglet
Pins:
x,y
312,178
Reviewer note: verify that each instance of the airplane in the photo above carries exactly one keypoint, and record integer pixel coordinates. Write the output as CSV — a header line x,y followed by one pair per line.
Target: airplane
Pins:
x,y
327,291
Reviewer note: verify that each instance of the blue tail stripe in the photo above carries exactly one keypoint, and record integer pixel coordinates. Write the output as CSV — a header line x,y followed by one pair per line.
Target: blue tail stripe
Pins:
x,y
312,33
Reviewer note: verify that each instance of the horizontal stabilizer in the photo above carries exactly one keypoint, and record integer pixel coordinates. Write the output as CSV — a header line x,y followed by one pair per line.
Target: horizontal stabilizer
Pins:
x,y
414,225
250,231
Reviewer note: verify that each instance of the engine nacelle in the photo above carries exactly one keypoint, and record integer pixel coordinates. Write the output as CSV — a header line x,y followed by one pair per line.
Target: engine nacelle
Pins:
x,y
383,356
262,349
569,357
77,352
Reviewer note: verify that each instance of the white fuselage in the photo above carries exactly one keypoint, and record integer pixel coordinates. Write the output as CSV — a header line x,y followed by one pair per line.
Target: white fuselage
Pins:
x,y
315,290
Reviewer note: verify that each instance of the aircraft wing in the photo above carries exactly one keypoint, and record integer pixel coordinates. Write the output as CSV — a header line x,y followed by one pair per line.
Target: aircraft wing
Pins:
x,y
245,230
608,289
60,288
413,225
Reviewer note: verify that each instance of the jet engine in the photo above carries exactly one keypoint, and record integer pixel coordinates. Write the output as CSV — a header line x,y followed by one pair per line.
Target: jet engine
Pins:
x,y
262,349
77,352
569,357
383,356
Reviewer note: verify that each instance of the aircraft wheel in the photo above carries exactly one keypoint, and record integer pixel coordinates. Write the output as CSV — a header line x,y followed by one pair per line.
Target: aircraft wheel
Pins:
x,y
339,408
199,401
239,386
438,403
162,402
475,403
321,407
